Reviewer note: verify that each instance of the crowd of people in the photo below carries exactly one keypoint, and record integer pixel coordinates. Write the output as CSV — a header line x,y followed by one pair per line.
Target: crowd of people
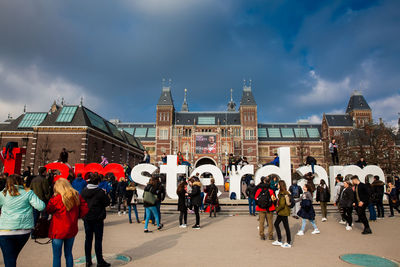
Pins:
x,y
24,199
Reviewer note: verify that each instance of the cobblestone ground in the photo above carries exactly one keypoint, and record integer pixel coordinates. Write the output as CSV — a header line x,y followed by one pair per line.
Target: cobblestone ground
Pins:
x,y
229,241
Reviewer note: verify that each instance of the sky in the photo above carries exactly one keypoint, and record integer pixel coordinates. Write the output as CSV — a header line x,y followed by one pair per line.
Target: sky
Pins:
x,y
304,57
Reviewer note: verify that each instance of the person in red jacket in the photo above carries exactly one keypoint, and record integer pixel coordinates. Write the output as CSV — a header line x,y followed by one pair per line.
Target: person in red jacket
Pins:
x,y
267,213
66,207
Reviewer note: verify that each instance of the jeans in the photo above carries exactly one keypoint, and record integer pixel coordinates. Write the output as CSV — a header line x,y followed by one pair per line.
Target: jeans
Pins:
x,y
296,207
149,211
372,212
57,251
252,206
96,228
348,216
11,246
183,216
158,205
379,208
303,224
130,212
285,221
202,201
312,167
393,206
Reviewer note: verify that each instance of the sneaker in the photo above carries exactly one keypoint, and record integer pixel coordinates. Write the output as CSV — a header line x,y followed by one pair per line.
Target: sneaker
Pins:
x,y
366,231
349,228
119,213
286,245
316,231
147,231
342,222
324,219
124,212
160,227
300,233
277,243
182,226
196,227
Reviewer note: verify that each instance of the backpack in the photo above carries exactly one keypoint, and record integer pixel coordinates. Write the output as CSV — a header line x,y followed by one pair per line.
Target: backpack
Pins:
x,y
295,191
292,201
233,196
264,200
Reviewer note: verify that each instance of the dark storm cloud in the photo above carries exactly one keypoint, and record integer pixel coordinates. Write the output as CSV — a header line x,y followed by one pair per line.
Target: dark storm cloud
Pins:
x,y
121,50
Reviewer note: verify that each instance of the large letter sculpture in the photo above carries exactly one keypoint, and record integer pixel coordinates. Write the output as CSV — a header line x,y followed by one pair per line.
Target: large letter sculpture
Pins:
x,y
12,165
138,176
215,172
172,169
61,167
283,171
114,168
235,178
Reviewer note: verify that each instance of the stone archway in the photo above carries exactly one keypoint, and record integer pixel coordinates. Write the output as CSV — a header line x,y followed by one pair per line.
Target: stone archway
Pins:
x,y
203,161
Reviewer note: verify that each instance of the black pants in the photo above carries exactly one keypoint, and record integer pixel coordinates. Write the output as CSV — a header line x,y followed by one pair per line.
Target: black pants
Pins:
x,y
196,212
183,216
379,208
121,201
362,217
96,228
213,207
393,206
348,215
285,221
335,158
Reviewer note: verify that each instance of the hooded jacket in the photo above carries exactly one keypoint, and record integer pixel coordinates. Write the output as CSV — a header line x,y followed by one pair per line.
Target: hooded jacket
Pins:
x,y
79,184
251,191
64,224
97,201
346,198
378,189
283,209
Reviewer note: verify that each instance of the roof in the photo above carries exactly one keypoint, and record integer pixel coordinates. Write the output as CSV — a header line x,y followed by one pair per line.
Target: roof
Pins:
x,y
141,131
166,97
357,102
68,116
289,132
341,120
207,118
247,97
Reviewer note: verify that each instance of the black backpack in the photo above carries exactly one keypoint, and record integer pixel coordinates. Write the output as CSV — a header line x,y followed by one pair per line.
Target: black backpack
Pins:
x,y
264,200
292,201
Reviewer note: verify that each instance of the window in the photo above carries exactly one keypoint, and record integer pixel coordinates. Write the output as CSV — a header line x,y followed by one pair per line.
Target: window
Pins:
x,y
151,132
274,133
206,120
32,119
128,130
287,132
96,121
249,134
300,132
250,150
262,132
313,132
66,114
163,134
140,132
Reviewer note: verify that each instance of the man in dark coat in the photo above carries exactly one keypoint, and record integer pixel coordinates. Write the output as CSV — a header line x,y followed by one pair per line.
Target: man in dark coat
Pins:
x,y
378,190
361,199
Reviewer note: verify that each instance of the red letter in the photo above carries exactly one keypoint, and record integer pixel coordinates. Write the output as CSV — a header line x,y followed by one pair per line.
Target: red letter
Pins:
x,y
114,168
13,165
64,170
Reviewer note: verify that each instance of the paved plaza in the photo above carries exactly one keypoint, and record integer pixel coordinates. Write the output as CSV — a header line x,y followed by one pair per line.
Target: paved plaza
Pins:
x,y
228,241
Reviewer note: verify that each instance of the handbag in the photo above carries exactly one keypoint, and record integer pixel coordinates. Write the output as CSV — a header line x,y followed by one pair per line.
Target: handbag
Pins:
x,y
41,230
149,198
134,199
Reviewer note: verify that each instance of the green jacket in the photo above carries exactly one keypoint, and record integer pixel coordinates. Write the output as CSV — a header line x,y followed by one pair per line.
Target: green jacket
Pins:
x,y
41,187
283,209
16,212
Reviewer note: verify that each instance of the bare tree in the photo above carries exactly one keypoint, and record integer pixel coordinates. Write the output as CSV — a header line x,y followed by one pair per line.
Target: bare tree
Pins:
x,y
44,151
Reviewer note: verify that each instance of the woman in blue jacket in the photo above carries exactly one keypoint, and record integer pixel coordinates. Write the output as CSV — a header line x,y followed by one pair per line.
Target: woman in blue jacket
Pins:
x,y
16,220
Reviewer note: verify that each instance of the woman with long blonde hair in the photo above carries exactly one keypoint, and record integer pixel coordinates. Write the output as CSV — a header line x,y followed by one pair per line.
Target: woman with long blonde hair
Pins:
x,y
66,207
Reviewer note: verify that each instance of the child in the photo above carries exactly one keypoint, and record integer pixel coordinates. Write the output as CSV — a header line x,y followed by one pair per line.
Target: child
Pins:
x,y
306,211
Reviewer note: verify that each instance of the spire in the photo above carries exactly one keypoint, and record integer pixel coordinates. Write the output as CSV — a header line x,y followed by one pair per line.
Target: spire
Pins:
x,y
24,108
185,107
357,102
166,97
232,104
247,97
